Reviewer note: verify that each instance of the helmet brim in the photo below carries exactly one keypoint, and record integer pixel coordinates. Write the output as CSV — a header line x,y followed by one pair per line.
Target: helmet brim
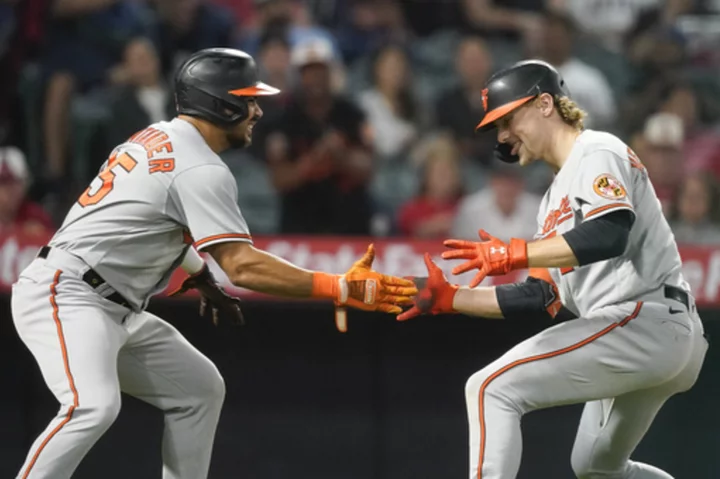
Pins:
x,y
259,89
486,123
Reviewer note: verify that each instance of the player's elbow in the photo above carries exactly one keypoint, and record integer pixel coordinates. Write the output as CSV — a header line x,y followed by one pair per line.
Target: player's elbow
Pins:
x,y
237,259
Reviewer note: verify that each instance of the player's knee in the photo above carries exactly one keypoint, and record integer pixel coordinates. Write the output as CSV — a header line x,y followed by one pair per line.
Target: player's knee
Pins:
x,y
210,391
584,467
101,414
473,385
580,463
491,387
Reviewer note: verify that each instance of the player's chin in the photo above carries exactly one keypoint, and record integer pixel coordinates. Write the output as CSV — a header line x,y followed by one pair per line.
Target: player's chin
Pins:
x,y
240,139
525,160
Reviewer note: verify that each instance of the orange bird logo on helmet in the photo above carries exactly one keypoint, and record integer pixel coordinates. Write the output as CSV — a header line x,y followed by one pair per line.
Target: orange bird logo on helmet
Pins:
x,y
484,94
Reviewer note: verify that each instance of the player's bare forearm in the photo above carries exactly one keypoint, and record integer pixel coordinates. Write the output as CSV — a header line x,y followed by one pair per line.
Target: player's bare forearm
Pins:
x,y
257,270
551,253
480,302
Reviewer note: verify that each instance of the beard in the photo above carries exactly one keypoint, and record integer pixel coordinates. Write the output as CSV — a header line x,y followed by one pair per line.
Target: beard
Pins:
x,y
239,142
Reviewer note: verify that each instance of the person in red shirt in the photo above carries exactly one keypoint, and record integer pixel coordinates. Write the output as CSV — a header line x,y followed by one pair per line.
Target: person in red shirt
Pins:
x,y
17,212
431,213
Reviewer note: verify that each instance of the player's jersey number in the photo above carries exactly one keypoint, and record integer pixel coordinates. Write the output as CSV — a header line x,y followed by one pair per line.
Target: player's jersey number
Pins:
x,y
107,176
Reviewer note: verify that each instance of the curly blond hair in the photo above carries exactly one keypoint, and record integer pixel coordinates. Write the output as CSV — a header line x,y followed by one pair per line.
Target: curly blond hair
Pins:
x,y
570,112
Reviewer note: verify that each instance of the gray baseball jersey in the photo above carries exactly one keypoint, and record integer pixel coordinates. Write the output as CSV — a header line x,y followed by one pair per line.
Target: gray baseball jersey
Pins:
x,y
158,191
631,349
602,174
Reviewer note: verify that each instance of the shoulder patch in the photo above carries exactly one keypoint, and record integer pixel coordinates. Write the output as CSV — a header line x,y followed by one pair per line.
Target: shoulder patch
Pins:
x,y
609,187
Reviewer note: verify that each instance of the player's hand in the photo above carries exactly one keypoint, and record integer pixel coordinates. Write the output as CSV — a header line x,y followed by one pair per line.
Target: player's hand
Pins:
x,y
212,294
363,288
491,256
435,293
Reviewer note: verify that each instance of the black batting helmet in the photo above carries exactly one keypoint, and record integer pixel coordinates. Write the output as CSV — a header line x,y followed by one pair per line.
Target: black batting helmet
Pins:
x,y
516,85
214,84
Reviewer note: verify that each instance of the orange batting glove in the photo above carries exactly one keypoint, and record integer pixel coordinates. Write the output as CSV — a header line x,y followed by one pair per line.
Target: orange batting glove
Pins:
x,y
363,288
491,256
435,296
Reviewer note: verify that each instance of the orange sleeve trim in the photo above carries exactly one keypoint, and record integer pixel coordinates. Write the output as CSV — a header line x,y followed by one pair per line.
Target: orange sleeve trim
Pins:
x,y
611,206
68,373
531,359
231,236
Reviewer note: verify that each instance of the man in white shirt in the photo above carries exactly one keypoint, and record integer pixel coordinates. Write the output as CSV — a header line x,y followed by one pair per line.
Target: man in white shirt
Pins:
x,y
504,204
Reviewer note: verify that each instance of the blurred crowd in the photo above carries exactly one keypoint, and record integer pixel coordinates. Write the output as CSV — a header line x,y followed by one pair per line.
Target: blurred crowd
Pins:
x,y
373,133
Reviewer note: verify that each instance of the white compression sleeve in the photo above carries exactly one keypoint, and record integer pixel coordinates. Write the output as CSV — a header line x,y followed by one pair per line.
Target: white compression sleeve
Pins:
x,y
193,262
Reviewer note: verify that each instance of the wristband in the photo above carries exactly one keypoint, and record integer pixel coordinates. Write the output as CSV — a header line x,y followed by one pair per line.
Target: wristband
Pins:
x,y
330,286
192,262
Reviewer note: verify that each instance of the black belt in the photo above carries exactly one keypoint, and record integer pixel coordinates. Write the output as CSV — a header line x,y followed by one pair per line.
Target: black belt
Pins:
x,y
672,292
93,279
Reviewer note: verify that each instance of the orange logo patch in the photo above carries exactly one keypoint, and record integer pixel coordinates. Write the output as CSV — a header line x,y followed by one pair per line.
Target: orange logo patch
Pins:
x,y
609,187
484,94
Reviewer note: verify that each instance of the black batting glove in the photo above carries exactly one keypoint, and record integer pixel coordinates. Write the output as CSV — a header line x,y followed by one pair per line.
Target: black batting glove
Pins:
x,y
213,295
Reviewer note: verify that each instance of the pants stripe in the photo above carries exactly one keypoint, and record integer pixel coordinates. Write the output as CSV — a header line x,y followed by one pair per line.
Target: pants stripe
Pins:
x,y
71,381
531,359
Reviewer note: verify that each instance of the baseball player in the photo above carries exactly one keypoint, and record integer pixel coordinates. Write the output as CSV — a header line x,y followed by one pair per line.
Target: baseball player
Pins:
x,y
80,306
604,251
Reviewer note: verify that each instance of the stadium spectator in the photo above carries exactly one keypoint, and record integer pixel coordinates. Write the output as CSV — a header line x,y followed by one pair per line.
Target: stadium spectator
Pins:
x,y
610,23
656,51
22,29
431,213
275,69
390,105
425,19
504,206
459,108
702,152
289,18
17,213
242,9
368,25
588,86
185,26
701,148
695,212
86,40
319,153
506,19
144,99
660,148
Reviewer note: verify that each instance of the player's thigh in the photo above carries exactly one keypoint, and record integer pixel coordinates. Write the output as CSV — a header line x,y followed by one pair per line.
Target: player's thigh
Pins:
x,y
161,367
610,354
611,429
73,335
